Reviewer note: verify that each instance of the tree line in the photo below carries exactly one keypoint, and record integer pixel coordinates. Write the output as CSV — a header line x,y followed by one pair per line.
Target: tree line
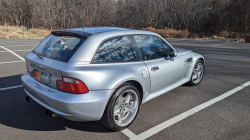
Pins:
x,y
211,16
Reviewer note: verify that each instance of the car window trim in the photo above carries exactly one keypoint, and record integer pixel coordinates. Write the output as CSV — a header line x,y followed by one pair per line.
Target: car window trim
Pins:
x,y
161,46
168,43
137,47
164,47
91,62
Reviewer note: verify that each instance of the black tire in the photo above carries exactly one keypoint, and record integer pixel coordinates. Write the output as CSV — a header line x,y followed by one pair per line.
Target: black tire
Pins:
x,y
191,82
108,115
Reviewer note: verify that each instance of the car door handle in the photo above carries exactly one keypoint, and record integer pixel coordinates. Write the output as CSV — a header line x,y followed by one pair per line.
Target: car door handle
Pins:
x,y
155,68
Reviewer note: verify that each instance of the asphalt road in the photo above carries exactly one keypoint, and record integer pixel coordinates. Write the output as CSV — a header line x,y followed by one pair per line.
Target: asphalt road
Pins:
x,y
227,67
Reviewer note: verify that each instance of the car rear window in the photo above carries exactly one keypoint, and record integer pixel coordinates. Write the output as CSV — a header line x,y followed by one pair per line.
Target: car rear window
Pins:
x,y
58,47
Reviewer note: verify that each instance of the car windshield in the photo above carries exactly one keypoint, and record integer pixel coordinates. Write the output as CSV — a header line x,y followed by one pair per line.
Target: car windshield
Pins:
x,y
59,48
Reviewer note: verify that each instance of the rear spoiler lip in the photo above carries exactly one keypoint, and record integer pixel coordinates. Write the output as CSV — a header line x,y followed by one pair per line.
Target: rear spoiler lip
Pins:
x,y
75,33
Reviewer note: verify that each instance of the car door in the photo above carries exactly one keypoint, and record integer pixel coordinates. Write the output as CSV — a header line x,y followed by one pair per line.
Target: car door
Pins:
x,y
175,67
163,72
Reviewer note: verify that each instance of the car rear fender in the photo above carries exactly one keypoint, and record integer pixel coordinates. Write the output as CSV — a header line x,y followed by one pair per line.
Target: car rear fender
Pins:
x,y
108,76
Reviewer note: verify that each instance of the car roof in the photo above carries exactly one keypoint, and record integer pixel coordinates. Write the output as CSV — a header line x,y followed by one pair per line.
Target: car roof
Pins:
x,y
93,30
90,45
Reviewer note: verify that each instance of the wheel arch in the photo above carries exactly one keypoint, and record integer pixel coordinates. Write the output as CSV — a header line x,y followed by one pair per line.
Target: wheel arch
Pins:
x,y
133,82
104,117
140,83
202,59
137,85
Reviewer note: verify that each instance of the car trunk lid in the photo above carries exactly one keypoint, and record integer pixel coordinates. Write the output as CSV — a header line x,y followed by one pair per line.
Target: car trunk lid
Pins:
x,y
49,69
47,59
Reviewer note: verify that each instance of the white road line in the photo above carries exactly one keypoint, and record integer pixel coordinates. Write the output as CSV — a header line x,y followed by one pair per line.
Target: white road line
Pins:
x,y
16,43
10,62
128,133
17,51
22,45
217,44
222,44
1,89
13,53
186,114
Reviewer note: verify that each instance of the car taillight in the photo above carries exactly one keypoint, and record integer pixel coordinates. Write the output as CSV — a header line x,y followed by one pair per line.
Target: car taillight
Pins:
x,y
28,69
72,85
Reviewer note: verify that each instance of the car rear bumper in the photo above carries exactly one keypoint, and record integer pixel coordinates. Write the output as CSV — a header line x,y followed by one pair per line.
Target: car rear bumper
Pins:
x,y
84,107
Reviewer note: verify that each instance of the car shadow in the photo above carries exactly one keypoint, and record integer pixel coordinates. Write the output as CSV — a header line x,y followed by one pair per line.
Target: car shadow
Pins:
x,y
16,112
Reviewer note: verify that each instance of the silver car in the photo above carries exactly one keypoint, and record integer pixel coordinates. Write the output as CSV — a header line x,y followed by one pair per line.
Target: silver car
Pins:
x,y
105,73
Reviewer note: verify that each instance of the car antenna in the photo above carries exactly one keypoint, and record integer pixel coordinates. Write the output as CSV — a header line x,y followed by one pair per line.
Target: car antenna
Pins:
x,y
83,27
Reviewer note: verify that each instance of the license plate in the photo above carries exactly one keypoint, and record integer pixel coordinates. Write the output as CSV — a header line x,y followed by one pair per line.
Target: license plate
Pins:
x,y
37,75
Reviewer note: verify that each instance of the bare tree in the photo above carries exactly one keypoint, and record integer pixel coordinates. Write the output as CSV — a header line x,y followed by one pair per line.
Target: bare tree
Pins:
x,y
47,10
194,15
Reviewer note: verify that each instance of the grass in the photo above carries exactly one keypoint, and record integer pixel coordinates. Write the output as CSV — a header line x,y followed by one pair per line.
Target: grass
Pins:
x,y
185,34
169,33
16,32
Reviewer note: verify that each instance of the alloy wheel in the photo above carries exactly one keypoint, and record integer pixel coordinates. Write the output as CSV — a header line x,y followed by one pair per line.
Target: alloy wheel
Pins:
x,y
126,107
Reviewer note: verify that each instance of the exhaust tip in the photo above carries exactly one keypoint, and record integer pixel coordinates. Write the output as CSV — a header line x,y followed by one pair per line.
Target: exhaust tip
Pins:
x,y
51,114
28,99
47,112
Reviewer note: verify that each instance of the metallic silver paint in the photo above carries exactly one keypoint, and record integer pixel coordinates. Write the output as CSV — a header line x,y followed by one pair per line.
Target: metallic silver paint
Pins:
x,y
48,66
92,43
103,79
83,107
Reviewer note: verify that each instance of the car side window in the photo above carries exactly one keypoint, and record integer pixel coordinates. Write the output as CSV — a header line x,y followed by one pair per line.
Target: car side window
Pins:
x,y
168,49
150,47
118,49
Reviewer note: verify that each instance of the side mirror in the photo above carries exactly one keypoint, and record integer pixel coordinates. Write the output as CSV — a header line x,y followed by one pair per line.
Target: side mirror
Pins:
x,y
172,55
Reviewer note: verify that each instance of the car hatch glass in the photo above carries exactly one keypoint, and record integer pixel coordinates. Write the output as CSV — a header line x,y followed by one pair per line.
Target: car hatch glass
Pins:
x,y
59,48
